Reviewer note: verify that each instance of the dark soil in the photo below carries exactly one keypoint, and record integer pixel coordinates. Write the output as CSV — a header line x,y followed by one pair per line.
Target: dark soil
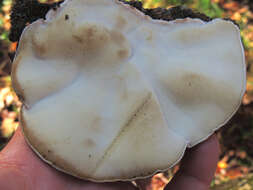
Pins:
x,y
237,134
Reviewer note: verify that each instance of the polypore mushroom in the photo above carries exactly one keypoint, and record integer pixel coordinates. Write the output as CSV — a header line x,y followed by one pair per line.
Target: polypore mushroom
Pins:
x,y
111,94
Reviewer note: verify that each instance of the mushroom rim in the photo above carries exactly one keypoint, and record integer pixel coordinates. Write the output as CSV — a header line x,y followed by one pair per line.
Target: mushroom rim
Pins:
x,y
17,88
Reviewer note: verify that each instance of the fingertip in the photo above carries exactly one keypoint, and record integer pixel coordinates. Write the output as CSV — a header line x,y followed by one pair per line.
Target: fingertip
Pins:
x,y
198,166
144,184
202,159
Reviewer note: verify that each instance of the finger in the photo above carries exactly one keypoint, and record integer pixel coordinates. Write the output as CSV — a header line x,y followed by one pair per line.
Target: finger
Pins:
x,y
19,154
17,149
75,184
144,184
197,167
18,162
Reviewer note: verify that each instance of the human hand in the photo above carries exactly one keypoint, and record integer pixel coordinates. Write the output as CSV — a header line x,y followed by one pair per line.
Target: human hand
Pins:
x,y
197,167
21,169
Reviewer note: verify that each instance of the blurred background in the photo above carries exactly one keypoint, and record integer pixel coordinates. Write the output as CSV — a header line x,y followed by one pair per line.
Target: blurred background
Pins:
x,y
235,168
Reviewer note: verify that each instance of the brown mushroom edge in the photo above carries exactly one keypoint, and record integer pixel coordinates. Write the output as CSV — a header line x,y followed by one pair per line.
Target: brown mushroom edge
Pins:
x,y
58,163
41,149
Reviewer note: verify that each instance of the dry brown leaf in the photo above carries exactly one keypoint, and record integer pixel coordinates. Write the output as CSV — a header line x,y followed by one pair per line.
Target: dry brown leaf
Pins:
x,y
231,5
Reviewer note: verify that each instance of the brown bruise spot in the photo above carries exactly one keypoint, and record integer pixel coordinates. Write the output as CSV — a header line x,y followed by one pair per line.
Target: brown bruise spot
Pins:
x,y
89,143
120,22
77,38
123,53
92,37
193,89
117,37
39,48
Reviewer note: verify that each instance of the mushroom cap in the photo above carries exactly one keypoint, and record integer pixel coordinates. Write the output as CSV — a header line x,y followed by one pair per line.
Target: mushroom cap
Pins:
x,y
110,94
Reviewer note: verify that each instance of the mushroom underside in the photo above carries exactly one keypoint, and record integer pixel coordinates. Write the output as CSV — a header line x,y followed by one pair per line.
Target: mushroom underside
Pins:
x,y
117,95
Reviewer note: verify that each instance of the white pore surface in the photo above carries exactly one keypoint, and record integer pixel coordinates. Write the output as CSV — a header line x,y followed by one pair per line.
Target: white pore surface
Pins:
x,y
111,94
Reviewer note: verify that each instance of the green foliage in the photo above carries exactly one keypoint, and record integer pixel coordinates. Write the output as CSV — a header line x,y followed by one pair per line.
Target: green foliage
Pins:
x,y
209,8
246,42
4,33
156,1
176,2
4,36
